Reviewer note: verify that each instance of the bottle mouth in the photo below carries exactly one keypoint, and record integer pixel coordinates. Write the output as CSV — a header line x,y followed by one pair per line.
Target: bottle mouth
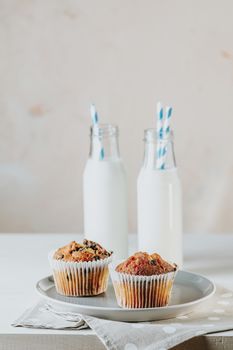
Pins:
x,y
151,135
104,130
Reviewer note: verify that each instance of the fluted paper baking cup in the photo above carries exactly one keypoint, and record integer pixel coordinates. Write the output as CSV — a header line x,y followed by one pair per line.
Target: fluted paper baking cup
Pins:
x,y
142,291
80,278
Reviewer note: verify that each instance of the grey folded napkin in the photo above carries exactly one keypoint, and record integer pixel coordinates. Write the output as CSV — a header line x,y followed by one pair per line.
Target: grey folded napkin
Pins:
x,y
213,316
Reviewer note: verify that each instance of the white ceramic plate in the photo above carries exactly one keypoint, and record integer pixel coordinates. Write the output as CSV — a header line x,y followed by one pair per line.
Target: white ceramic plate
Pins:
x,y
189,291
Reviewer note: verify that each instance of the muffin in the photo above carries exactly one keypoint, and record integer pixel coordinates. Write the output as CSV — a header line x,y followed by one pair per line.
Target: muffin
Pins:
x,y
143,281
80,269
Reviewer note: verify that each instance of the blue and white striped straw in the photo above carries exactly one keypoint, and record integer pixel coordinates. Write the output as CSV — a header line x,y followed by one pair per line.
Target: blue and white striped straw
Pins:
x,y
94,115
163,136
159,120
166,126
166,134
95,121
159,130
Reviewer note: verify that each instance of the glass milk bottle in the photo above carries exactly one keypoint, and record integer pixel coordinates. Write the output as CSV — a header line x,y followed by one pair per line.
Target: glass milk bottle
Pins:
x,y
159,200
105,192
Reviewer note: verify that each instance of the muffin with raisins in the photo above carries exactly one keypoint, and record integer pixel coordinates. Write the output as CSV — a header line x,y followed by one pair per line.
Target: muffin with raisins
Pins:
x,y
80,269
143,281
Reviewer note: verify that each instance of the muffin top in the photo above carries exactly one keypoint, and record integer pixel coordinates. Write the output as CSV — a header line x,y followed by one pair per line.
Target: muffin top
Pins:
x,y
143,264
86,251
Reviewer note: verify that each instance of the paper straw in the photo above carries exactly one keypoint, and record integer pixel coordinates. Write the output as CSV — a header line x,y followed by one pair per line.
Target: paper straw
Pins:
x,y
166,126
159,120
159,129
166,134
163,136
95,121
94,115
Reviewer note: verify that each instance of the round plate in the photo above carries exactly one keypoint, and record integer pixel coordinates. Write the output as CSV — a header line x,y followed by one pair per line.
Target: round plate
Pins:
x,y
189,291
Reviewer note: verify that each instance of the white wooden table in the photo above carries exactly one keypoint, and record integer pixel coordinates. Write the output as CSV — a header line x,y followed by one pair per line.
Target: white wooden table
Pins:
x,y
23,261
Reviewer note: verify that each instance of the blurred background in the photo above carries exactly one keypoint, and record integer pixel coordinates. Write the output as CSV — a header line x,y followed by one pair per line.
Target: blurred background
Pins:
x,y
56,57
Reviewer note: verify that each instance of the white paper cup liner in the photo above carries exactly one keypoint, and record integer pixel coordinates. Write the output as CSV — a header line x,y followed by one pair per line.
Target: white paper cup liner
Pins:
x,y
80,278
141,291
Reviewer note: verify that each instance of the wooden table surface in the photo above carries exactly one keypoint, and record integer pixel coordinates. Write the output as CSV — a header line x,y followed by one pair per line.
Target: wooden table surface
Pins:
x,y
23,261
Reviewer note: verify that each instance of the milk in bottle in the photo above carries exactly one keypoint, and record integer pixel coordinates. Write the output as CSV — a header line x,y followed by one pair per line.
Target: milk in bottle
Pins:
x,y
159,201
105,192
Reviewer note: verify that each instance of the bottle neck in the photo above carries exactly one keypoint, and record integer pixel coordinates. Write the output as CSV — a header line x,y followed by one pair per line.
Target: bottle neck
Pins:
x,y
159,153
104,142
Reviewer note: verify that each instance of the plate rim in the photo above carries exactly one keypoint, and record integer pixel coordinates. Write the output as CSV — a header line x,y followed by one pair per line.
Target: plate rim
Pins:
x,y
138,310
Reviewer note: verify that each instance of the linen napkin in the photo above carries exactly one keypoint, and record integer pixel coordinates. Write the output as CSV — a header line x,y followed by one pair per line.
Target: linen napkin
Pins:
x,y
213,316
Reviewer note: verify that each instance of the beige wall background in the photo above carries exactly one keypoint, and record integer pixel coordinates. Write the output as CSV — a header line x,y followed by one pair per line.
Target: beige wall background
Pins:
x,y
56,57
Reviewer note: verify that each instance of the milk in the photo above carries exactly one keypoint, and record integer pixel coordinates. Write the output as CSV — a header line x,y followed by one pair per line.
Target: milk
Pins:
x,y
160,213
159,201
105,199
